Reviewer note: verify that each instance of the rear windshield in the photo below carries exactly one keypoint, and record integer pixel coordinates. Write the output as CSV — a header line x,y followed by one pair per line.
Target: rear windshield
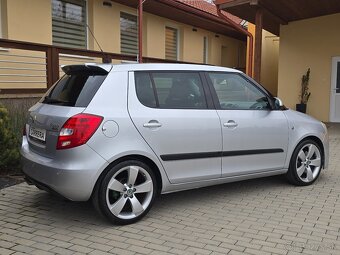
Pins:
x,y
75,89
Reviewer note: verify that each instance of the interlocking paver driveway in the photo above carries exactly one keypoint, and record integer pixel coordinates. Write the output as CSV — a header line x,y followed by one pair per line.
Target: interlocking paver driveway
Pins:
x,y
263,216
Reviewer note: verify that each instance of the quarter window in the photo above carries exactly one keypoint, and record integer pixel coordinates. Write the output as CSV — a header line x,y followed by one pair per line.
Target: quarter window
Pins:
x,y
236,93
173,90
144,89
69,23
128,34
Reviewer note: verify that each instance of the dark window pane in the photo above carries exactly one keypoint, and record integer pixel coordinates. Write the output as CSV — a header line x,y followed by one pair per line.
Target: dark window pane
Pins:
x,y
236,93
76,89
179,90
144,89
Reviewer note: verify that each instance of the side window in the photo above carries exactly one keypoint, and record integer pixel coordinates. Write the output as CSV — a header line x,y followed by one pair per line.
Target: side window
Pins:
x,y
236,93
174,90
179,90
144,89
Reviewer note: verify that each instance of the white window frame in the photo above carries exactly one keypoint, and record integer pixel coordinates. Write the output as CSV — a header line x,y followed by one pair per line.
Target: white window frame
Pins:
x,y
178,38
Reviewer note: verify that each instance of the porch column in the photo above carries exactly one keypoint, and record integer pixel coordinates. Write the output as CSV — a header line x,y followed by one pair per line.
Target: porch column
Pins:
x,y
140,31
258,44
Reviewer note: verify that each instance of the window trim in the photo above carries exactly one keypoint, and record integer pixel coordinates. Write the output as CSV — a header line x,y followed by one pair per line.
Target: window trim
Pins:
x,y
251,82
206,90
177,41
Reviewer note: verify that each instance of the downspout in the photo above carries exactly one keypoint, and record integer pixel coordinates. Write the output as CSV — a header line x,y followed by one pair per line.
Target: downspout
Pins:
x,y
140,31
245,32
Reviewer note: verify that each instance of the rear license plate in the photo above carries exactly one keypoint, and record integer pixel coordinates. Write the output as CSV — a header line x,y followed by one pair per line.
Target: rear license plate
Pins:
x,y
37,133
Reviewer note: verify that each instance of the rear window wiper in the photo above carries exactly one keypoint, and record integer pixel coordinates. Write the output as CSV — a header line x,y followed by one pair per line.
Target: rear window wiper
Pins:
x,y
49,100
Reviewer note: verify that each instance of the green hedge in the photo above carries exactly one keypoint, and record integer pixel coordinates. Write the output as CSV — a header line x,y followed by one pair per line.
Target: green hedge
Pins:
x,y
9,143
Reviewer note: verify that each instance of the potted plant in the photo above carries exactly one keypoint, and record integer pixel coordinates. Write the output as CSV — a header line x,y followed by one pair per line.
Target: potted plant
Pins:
x,y
305,94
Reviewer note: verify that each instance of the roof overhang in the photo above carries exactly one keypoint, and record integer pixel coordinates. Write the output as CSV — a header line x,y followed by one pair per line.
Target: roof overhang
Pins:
x,y
279,12
183,13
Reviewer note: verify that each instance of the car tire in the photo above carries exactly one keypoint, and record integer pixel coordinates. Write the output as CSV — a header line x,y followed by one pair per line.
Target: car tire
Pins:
x,y
126,192
305,164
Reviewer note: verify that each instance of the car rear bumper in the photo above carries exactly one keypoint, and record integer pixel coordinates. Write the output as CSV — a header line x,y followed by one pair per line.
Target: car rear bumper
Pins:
x,y
72,173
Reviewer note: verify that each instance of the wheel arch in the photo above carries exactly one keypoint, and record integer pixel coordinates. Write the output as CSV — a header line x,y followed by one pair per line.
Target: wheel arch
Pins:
x,y
319,142
139,157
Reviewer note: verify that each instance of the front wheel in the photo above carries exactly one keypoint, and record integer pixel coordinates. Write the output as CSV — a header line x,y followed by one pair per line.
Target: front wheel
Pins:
x,y
305,164
127,192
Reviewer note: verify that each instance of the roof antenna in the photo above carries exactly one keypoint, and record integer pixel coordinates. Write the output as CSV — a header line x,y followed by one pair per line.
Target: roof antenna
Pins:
x,y
106,59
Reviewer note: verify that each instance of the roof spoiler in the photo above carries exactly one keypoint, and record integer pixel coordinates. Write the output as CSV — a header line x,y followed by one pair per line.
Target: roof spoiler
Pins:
x,y
92,68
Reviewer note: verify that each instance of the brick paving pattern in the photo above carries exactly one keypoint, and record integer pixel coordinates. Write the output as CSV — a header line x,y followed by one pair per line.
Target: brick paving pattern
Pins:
x,y
263,216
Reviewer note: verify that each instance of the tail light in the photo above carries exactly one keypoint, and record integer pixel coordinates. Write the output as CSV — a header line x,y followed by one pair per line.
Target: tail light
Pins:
x,y
77,130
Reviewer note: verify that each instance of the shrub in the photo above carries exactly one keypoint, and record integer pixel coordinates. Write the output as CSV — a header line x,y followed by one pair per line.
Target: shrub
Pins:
x,y
9,143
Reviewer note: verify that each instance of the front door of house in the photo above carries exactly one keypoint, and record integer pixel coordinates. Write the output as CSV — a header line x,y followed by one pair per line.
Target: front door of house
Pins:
x,y
335,91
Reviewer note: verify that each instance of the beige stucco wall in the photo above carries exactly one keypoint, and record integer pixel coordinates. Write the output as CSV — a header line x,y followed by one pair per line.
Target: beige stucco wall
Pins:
x,y
29,20
270,59
307,44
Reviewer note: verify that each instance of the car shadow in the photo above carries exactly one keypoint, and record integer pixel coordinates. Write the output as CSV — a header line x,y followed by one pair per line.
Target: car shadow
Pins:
x,y
51,208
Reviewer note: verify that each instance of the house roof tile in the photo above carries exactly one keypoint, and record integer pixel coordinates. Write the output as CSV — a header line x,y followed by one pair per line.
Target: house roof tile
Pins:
x,y
209,8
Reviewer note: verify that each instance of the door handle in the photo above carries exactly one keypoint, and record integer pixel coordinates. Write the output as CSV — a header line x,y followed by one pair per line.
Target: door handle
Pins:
x,y
152,124
230,124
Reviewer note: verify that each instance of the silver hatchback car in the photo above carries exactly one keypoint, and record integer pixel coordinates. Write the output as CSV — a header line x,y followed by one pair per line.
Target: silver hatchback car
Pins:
x,y
121,134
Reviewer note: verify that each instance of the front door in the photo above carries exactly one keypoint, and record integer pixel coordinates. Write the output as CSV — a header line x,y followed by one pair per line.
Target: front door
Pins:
x,y
335,91
171,112
255,137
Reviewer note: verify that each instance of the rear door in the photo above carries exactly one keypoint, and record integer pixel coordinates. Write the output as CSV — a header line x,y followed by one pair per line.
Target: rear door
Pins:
x,y
255,137
176,118
68,97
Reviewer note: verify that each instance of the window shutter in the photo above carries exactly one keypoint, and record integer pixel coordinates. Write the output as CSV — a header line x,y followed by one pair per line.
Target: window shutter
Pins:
x,y
69,23
128,34
171,40
205,50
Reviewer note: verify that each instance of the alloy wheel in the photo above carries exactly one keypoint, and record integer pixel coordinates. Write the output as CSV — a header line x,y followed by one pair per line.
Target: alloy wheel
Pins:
x,y
308,163
129,192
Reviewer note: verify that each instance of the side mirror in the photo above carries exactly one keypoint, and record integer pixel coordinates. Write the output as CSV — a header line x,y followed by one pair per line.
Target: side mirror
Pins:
x,y
278,103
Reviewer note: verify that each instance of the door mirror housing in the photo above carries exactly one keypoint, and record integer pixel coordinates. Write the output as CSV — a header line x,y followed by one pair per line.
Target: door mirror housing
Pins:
x,y
279,104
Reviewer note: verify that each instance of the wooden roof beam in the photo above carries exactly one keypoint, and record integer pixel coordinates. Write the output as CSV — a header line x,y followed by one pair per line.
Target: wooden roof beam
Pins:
x,y
273,15
225,4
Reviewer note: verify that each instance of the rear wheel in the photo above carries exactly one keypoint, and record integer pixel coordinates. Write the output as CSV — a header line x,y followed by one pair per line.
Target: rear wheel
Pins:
x,y
305,164
127,192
